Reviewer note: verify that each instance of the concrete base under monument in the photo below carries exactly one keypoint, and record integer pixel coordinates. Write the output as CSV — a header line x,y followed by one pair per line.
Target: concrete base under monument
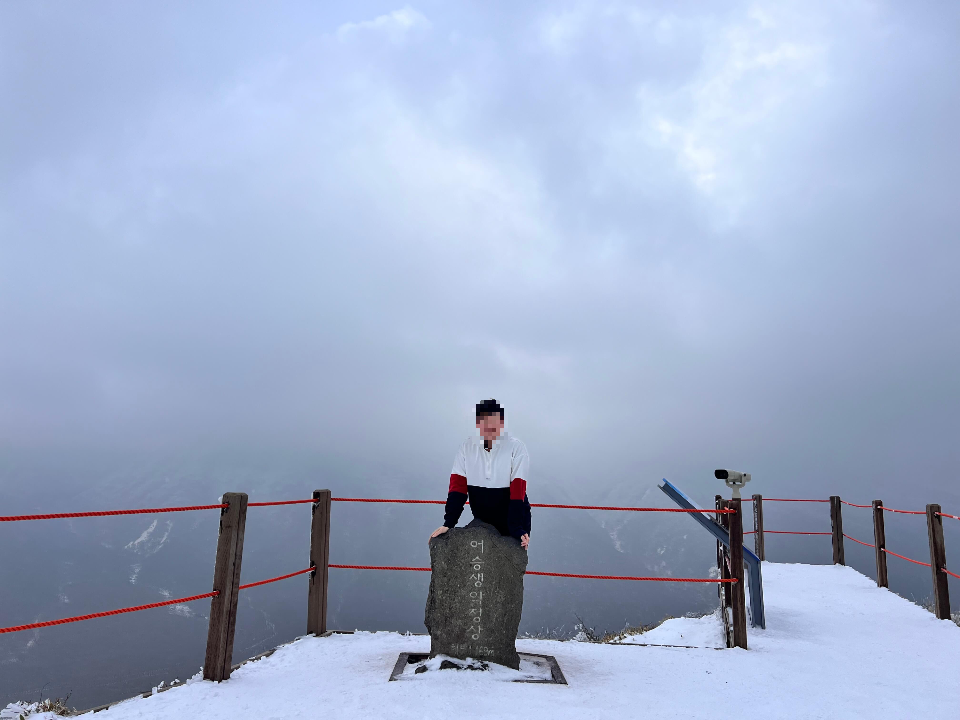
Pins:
x,y
533,668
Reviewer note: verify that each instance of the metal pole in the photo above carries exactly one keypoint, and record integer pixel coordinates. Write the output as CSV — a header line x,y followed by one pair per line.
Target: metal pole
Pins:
x,y
758,526
723,569
738,595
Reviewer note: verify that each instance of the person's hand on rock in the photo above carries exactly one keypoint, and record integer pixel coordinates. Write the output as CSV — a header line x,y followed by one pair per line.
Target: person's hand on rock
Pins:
x,y
437,533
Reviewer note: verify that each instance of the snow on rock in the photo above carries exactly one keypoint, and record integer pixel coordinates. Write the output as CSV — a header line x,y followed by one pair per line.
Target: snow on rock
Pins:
x,y
836,646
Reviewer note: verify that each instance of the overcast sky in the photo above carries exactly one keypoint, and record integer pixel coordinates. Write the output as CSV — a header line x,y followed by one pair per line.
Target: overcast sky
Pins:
x,y
666,236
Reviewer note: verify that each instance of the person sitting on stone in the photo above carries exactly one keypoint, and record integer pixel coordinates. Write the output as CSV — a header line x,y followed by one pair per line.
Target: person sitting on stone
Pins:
x,y
492,471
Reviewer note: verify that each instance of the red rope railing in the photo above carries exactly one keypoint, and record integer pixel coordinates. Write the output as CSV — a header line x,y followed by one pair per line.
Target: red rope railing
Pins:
x,y
902,557
628,577
888,509
540,505
791,500
792,532
548,574
379,500
858,541
378,567
280,502
91,616
63,621
633,509
104,513
281,577
895,510
150,511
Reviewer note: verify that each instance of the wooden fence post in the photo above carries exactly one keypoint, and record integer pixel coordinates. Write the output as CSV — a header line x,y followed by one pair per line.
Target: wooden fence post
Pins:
x,y
938,561
722,564
880,540
320,561
758,526
836,523
226,581
738,595
723,569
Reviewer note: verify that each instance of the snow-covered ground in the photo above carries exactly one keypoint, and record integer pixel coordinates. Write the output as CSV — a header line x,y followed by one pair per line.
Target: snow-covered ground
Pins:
x,y
836,646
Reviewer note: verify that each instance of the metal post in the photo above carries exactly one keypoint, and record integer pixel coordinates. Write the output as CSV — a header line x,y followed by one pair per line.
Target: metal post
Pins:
x,y
723,570
938,561
880,540
758,526
226,582
758,616
738,596
320,561
723,560
836,523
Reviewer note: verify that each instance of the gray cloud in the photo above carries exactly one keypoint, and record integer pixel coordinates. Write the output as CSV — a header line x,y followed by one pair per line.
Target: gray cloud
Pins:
x,y
667,238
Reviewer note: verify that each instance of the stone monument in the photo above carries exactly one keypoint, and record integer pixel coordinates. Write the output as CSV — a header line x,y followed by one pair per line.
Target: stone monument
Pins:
x,y
476,594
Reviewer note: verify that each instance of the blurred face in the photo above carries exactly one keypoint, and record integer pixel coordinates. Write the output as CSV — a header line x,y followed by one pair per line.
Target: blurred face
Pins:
x,y
490,426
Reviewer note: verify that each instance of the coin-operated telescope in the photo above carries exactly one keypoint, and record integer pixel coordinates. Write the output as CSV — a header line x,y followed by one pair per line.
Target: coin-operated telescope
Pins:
x,y
734,480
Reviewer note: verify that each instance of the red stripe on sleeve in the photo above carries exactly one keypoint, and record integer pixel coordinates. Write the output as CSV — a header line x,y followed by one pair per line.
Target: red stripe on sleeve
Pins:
x,y
458,483
518,489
